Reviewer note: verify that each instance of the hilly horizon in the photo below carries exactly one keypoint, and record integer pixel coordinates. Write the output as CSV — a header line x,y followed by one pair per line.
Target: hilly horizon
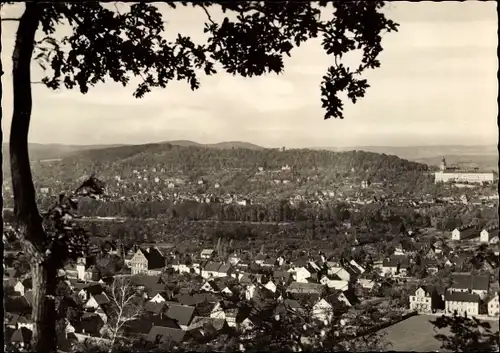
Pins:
x,y
477,156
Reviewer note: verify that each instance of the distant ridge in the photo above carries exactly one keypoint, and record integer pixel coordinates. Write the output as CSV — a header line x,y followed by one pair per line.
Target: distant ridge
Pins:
x,y
223,145
483,155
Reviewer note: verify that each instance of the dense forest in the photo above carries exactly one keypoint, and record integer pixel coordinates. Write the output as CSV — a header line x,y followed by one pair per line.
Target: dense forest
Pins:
x,y
233,167
123,160
189,157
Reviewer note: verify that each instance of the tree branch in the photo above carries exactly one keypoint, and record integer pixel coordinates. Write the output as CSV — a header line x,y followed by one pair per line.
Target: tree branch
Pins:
x,y
116,8
208,14
10,19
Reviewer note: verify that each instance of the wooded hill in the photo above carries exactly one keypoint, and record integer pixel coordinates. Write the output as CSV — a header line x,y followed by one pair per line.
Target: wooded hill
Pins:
x,y
184,160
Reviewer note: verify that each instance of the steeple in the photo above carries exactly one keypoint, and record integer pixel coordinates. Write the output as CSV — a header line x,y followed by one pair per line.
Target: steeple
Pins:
x,y
443,165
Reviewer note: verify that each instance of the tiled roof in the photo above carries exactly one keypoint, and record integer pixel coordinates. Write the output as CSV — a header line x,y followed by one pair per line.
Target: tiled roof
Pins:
x,y
17,304
155,259
29,297
472,282
462,297
11,319
160,334
101,299
147,281
91,324
260,257
94,289
201,322
21,335
298,287
224,268
154,308
212,266
395,260
182,313
27,283
164,321
140,326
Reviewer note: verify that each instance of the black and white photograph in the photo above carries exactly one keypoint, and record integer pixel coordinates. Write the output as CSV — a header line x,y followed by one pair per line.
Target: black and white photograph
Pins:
x,y
250,176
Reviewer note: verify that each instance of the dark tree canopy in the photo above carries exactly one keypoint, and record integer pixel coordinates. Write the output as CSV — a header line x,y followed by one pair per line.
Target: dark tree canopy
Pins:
x,y
108,44
466,334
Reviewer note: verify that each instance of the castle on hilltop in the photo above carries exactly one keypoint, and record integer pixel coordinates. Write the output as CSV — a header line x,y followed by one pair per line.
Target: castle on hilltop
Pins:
x,y
454,174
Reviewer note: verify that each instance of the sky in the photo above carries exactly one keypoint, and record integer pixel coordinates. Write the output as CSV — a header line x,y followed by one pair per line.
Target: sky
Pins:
x,y
437,85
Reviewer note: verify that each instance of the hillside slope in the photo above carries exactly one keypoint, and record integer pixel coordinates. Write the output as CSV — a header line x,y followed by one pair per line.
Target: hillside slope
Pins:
x,y
192,162
40,151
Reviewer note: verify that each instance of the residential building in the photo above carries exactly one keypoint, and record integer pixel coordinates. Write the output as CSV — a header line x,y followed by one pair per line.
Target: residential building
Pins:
x,y
147,261
323,309
207,253
334,281
465,282
357,266
182,314
281,277
462,302
234,259
488,234
23,286
300,274
271,286
259,259
464,233
395,266
426,300
430,265
299,289
211,270
337,270
493,305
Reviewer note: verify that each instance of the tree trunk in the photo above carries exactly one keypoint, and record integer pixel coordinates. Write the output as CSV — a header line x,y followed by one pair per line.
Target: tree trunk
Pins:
x,y
29,221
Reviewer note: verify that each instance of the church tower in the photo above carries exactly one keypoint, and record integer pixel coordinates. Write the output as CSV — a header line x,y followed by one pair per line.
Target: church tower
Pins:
x,y
442,167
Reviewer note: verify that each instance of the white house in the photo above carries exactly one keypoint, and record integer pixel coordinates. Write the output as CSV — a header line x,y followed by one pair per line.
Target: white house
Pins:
x,y
488,234
207,253
323,309
357,266
80,268
493,306
210,286
334,282
158,298
211,270
95,301
21,287
250,291
366,283
270,286
300,274
463,233
234,259
424,300
462,302
340,272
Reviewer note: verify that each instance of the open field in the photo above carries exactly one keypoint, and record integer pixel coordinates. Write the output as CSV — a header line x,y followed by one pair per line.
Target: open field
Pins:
x,y
417,334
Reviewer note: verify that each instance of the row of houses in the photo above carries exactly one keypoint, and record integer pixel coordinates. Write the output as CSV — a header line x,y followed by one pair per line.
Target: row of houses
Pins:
x,y
469,232
464,296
